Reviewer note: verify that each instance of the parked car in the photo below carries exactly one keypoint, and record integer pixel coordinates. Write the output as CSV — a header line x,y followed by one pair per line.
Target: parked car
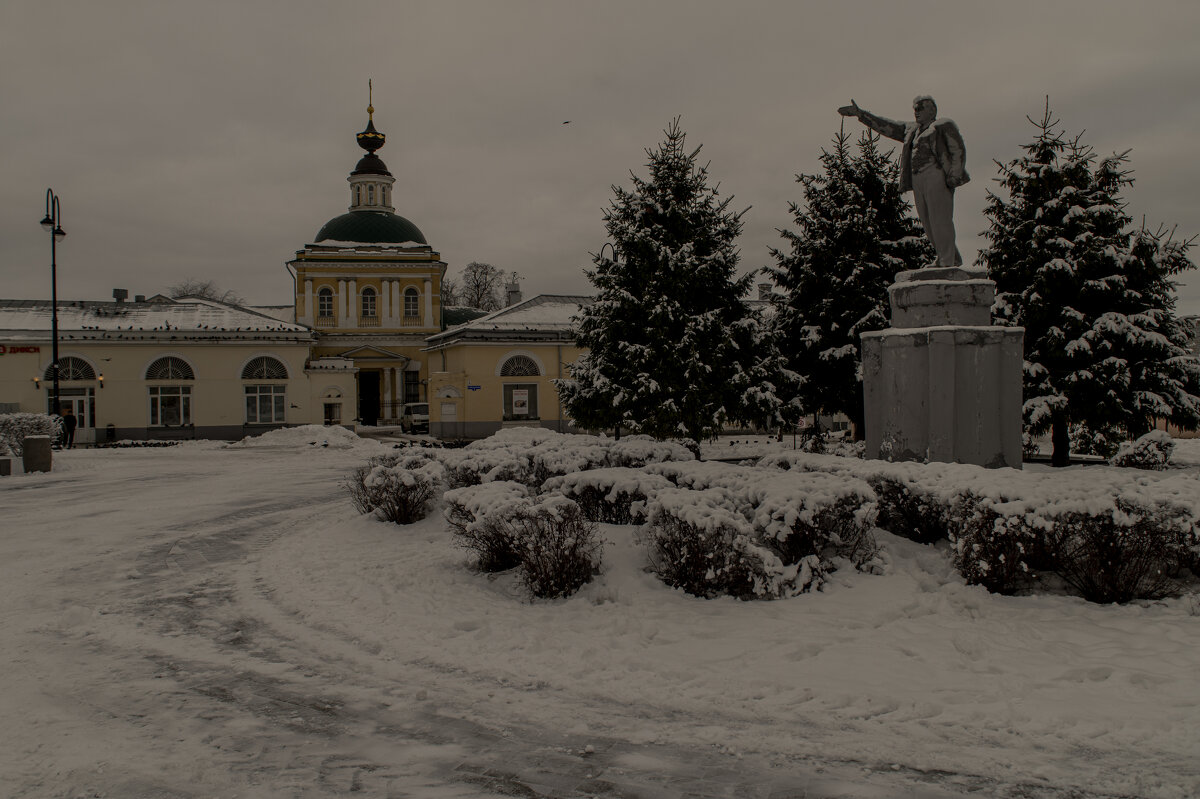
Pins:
x,y
414,417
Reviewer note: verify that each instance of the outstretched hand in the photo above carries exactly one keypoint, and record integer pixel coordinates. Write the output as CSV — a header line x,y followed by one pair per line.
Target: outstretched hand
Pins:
x,y
851,110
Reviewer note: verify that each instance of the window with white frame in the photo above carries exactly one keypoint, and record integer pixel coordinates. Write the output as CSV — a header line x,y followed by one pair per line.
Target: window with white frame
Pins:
x,y
265,404
170,406
412,302
325,302
368,301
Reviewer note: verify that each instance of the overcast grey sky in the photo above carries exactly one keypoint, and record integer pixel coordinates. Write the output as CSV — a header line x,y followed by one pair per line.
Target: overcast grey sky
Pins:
x,y
213,139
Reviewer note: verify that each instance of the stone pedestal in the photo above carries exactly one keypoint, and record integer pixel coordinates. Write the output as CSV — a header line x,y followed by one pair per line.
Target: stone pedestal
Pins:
x,y
943,384
36,455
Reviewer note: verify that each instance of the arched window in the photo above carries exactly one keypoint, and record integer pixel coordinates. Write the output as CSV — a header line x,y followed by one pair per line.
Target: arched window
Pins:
x,y
520,366
358,195
71,368
170,368
325,301
368,301
370,194
411,302
170,405
264,367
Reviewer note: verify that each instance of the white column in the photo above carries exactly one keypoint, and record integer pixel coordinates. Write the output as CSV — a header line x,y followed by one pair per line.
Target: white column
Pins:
x,y
385,304
397,309
309,313
342,320
389,374
428,320
352,299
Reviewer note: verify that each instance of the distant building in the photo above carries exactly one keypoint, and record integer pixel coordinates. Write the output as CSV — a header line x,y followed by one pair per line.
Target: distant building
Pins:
x,y
498,370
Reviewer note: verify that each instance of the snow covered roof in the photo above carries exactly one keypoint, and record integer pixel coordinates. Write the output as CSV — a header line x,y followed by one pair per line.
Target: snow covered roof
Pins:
x,y
284,313
187,318
544,317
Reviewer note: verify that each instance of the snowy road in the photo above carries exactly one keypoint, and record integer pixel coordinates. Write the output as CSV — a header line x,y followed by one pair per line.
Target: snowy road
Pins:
x,y
166,634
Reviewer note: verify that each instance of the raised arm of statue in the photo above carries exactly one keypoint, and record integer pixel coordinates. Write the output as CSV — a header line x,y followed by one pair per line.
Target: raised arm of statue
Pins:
x,y
882,125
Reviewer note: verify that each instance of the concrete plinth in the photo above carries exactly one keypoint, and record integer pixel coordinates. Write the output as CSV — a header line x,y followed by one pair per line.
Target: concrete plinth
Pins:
x,y
943,384
35,454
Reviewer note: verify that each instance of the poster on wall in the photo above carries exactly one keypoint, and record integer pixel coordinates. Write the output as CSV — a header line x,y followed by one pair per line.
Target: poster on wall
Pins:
x,y
520,399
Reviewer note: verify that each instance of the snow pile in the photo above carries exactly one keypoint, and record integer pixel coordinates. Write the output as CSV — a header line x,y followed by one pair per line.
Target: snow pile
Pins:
x,y
313,435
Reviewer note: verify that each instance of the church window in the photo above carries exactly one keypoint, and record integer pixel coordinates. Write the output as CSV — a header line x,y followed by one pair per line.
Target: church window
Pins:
x,y
358,195
411,303
325,302
368,301
370,195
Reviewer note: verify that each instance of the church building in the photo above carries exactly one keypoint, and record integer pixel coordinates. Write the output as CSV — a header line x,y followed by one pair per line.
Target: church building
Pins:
x,y
370,288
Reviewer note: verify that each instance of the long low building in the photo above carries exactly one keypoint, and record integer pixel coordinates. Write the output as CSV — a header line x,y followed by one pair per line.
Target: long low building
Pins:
x,y
163,369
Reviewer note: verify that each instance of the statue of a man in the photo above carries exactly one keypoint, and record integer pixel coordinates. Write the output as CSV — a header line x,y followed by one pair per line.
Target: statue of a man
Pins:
x,y
932,166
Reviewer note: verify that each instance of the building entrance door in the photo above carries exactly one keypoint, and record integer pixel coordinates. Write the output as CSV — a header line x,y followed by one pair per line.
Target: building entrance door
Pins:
x,y
82,403
368,398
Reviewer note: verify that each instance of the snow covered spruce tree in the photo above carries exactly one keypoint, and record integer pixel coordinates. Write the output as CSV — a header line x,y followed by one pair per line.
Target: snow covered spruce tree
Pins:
x,y
853,234
1103,347
672,348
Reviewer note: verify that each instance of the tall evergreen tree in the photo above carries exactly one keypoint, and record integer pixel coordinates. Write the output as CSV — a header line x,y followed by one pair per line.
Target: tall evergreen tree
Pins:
x,y
852,235
671,344
1102,345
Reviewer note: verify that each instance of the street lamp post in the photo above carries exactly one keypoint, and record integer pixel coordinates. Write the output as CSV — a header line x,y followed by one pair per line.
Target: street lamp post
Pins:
x,y
52,222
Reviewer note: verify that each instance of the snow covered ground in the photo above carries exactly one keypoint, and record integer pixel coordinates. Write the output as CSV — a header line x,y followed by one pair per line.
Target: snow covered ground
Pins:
x,y
209,620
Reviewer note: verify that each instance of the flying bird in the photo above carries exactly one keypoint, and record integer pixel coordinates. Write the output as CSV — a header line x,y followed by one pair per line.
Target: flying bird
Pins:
x,y
568,122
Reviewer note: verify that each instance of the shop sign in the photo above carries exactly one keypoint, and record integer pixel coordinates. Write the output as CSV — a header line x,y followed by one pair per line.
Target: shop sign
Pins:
x,y
11,349
474,388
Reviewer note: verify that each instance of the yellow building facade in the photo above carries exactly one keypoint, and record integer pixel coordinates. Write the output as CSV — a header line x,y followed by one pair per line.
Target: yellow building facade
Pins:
x,y
499,370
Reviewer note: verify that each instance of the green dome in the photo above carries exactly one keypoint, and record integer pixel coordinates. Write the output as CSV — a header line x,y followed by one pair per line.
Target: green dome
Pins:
x,y
370,227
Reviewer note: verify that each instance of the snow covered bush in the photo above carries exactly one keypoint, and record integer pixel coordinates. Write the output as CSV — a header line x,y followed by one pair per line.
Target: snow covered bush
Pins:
x,y
614,496
991,548
1151,451
758,532
1131,551
911,499
16,427
698,544
638,451
559,548
549,538
397,488
479,518
531,456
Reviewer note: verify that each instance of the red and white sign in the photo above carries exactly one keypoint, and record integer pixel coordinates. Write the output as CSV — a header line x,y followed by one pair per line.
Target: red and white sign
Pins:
x,y
12,349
